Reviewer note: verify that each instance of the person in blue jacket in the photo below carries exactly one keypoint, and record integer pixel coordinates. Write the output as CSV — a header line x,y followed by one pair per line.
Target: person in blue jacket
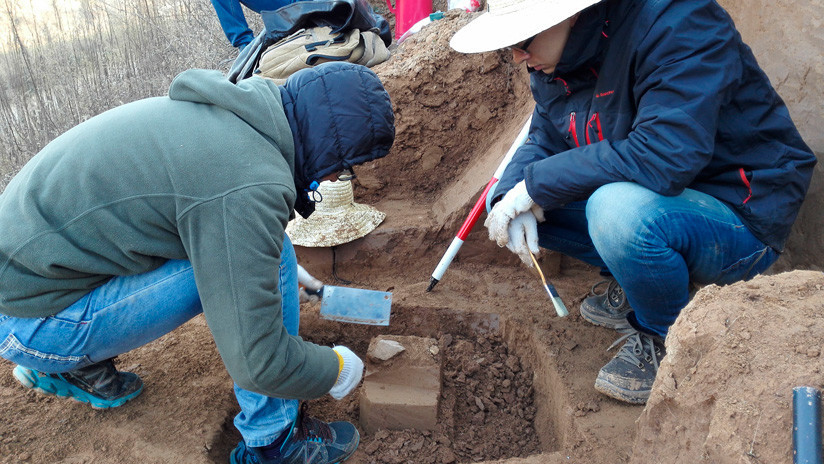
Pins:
x,y
658,151
232,20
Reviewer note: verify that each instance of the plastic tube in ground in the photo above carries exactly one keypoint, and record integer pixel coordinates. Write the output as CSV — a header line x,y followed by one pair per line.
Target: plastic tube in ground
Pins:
x,y
806,425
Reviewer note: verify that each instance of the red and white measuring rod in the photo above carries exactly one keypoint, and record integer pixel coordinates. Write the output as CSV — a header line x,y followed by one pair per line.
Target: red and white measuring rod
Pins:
x,y
470,221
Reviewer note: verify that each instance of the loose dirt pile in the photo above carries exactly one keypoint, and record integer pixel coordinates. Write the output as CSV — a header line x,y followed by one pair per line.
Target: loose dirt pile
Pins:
x,y
518,381
724,391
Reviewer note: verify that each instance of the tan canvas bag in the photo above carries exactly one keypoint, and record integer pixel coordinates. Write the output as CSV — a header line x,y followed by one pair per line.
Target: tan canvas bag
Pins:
x,y
311,47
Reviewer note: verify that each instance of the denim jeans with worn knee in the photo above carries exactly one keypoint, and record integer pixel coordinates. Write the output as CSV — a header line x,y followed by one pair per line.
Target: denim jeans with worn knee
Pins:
x,y
128,312
655,246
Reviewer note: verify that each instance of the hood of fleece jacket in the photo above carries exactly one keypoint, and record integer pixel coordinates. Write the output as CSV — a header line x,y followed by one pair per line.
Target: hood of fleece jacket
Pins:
x,y
340,116
256,101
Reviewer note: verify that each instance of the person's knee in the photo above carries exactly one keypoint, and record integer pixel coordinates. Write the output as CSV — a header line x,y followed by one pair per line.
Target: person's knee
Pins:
x,y
619,214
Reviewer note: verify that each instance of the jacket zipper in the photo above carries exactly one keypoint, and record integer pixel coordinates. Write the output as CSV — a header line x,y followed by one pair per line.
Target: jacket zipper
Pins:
x,y
747,183
598,131
572,130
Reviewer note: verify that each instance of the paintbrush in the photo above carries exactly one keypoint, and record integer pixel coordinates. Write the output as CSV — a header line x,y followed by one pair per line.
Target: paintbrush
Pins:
x,y
560,308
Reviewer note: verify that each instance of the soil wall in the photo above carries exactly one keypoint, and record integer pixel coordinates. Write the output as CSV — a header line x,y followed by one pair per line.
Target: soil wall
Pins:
x,y
724,391
788,40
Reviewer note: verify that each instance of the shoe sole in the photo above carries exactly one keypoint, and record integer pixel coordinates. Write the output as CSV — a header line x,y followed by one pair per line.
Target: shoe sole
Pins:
x,y
53,387
628,396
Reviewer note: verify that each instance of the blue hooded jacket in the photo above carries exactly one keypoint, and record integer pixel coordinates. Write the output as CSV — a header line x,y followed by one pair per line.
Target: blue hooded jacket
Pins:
x,y
664,94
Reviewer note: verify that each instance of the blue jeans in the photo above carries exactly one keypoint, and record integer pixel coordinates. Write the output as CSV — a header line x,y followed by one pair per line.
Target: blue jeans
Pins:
x,y
655,246
128,312
233,21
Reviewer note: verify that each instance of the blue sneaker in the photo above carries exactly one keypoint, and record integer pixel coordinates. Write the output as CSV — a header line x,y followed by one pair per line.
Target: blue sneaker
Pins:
x,y
310,441
99,384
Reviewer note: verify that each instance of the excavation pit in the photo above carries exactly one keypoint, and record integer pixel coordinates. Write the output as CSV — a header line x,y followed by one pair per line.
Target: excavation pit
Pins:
x,y
486,409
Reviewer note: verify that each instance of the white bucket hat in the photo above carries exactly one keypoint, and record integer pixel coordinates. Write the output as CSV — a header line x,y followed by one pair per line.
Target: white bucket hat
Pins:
x,y
507,22
337,218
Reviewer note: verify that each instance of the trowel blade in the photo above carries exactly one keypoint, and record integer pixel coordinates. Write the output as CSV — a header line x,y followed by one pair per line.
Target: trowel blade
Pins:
x,y
355,305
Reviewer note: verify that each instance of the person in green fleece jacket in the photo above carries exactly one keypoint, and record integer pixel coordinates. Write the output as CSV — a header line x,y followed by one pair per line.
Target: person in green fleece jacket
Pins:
x,y
138,219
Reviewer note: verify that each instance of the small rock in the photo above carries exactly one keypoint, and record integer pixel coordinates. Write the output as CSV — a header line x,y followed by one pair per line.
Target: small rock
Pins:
x,y
371,448
444,440
513,364
385,350
447,456
446,340
434,350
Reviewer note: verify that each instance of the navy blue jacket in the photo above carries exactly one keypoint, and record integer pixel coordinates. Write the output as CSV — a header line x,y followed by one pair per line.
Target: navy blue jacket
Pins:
x,y
664,94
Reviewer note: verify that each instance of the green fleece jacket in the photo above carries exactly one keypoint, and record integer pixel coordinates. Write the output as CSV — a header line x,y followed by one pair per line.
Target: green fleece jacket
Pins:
x,y
205,174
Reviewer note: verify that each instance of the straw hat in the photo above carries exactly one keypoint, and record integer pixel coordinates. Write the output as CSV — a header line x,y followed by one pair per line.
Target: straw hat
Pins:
x,y
507,22
337,218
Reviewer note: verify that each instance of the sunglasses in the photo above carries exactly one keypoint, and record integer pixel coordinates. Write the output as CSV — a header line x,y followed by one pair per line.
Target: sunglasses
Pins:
x,y
523,46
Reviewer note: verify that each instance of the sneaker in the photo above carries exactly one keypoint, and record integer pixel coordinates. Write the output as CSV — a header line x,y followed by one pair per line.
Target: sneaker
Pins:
x,y
608,309
630,374
99,384
310,441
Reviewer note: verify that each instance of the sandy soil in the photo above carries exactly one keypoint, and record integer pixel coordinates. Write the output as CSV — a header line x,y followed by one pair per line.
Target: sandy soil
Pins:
x,y
518,381
724,391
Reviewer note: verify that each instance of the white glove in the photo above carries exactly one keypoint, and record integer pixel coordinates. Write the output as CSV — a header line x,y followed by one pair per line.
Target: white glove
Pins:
x,y
350,373
523,236
515,202
306,281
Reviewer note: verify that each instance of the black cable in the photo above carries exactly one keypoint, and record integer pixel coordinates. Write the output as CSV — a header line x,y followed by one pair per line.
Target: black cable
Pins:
x,y
334,271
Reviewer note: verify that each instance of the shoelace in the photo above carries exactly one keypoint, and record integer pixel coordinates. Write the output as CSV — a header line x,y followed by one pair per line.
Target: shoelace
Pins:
x,y
309,428
99,376
637,345
614,292
598,284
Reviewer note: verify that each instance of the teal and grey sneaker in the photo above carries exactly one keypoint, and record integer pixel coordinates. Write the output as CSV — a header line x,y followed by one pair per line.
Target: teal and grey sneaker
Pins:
x,y
631,373
309,441
608,309
99,384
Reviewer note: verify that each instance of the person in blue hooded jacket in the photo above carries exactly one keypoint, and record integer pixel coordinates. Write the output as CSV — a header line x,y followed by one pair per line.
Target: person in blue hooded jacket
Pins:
x,y
658,151
135,221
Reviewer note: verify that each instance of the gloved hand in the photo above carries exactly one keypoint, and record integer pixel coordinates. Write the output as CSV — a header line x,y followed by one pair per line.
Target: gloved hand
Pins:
x,y
515,202
306,281
523,236
350,372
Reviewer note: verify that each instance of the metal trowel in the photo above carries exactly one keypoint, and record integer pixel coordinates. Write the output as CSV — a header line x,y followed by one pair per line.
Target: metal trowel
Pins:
x,y
354,305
